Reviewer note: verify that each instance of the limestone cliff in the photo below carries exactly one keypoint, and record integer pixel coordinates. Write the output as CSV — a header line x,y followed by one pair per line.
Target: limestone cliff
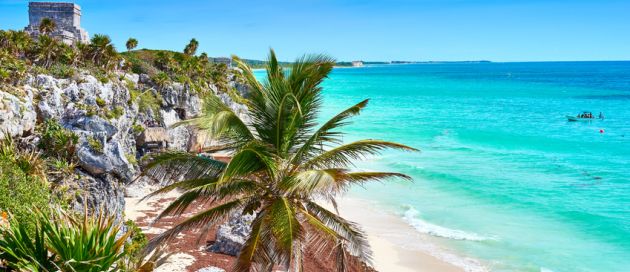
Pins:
x,y
107,116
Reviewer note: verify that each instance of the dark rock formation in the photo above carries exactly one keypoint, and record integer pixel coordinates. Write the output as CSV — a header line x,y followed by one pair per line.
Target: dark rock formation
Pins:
x,y
231,236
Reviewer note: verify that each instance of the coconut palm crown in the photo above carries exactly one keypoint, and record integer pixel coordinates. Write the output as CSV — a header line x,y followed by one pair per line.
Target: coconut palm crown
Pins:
x,y
47,26
131,44
191,47
283,167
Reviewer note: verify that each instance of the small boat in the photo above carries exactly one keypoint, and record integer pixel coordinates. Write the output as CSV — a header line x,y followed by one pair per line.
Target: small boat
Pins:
x,y
584,116
576,119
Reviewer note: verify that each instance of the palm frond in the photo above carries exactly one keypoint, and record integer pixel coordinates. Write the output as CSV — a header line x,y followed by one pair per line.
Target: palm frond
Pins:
x,y
253,157
342,156
180,204
206,217
329,182
308,72
184,184
248,74
322,237
174,165
285,227
254,248
325,134
208,191
220,122
355,239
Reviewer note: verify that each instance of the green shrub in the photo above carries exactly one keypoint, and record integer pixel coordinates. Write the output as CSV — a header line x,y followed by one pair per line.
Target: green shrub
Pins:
x,y
137,129
114,113
100,102
102,77
137,240
5,75
60,166
62,71
147,100
95,145
12,69
131,158
20,191
56,141
161,79
118,111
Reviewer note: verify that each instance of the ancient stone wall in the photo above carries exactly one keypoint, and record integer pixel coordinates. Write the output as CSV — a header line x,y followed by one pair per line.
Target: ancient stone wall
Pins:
x,y
67,17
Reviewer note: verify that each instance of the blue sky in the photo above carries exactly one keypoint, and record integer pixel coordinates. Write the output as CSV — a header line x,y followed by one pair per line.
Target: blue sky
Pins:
x,y
535,30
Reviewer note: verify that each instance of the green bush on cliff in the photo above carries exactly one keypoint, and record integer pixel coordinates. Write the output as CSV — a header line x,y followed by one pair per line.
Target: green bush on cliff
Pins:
x,y
95,145
56,141
114,113
12,69
147,100
22,183
60,70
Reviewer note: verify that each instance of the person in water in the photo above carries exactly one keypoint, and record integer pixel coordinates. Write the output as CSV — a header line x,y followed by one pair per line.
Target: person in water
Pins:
x,y
601,115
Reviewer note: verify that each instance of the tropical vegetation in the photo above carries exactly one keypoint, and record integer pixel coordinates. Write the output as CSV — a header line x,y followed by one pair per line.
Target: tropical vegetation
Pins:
x,y
69,242
283,167
22,180
131,44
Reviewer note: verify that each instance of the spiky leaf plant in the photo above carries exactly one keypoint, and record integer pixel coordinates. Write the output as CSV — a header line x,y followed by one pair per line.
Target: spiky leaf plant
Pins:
x,y
25,250
283,166
84,243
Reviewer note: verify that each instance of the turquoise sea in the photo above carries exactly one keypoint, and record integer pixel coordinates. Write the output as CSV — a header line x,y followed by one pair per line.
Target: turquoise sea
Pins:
x,y
503,177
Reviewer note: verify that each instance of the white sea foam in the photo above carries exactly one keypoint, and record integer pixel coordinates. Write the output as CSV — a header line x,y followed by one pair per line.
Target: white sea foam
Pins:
x,y
412,217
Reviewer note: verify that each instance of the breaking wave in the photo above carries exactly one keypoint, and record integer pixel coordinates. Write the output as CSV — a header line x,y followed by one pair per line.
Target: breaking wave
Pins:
x,y
411,216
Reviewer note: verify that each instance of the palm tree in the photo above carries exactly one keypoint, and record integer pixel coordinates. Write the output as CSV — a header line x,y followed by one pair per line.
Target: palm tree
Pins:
x,y
70,54
47,50
102,50
281,164
47,26
131,44
191,48
16,42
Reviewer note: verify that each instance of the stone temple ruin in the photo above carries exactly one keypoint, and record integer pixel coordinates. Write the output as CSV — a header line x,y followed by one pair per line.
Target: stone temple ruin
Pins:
x,y
67,17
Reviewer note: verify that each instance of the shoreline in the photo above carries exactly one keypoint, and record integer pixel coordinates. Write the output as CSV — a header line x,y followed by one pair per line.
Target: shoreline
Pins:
x,y
397,246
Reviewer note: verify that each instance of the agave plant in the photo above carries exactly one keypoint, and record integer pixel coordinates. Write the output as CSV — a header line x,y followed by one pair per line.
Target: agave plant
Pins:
x,y
283,166
63,242
24,250
86,243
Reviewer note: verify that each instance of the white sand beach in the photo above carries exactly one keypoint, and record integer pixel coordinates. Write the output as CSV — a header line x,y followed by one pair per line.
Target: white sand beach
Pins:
x,y
397,246
386,234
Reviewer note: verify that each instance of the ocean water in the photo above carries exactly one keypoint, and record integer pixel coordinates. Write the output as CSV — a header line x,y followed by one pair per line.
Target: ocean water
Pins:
x,y
503,177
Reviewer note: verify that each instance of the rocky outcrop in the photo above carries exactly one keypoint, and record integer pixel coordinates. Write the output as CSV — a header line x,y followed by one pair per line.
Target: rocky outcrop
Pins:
x,y
110,160
231,236
179,135
99,193
17,116
100,112
182,99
